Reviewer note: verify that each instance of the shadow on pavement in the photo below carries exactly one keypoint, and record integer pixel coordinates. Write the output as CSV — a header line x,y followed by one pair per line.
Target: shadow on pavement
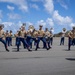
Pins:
x,y
70,59
3,51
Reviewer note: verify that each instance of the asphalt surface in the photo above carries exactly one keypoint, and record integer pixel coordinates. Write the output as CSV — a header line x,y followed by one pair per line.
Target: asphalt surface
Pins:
x,y
56,61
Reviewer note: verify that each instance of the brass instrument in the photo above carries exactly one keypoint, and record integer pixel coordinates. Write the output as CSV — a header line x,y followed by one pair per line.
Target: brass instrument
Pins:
x,y
64,29
31,28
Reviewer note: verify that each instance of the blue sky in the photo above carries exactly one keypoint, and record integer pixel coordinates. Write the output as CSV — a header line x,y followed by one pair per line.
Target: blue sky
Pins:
x,y
49,13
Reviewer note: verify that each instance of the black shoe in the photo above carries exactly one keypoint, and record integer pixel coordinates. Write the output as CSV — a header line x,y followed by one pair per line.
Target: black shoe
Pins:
x,y
29,50
36,49
47,48
50,47
7,50
24,47
17,48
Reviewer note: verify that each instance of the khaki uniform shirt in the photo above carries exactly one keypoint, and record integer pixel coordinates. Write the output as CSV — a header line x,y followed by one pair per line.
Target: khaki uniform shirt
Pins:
x,y
47,33
10,34
73,34
1,33
70,34
23,33
29,33
41,33
6,34
35,34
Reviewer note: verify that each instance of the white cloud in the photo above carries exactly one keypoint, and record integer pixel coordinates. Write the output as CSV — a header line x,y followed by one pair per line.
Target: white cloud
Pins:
x,y
1,14
12,26
10,7
56,17
48,4
60,19
7,24
22,4
50,22
29,23
23,8
13,16
63,3
41,22
64,6
72,24
19,24
47,23
35,6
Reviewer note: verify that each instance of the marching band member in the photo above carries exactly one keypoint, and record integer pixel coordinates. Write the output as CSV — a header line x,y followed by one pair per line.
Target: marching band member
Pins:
x,y
41,34
22,38
10,37
35,38
47,37
1,37
7,38
29,35
71,38
51,36
62,36
16,36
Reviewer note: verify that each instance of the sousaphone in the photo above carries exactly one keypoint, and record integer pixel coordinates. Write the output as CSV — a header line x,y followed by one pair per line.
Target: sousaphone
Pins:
x,y
31,28
64,29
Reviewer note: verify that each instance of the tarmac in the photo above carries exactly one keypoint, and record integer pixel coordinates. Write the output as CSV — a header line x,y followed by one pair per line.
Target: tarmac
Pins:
x,y
56,61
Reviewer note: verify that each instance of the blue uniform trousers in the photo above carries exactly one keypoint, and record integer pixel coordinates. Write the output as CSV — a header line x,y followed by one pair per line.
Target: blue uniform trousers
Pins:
x,y
43,40
4,42
69,43
62,41
48,42
51,40
8,41
73,42
29,41
19,39
35,41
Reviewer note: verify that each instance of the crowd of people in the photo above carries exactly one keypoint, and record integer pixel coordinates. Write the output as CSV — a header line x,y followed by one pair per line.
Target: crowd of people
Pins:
x,y
27,37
